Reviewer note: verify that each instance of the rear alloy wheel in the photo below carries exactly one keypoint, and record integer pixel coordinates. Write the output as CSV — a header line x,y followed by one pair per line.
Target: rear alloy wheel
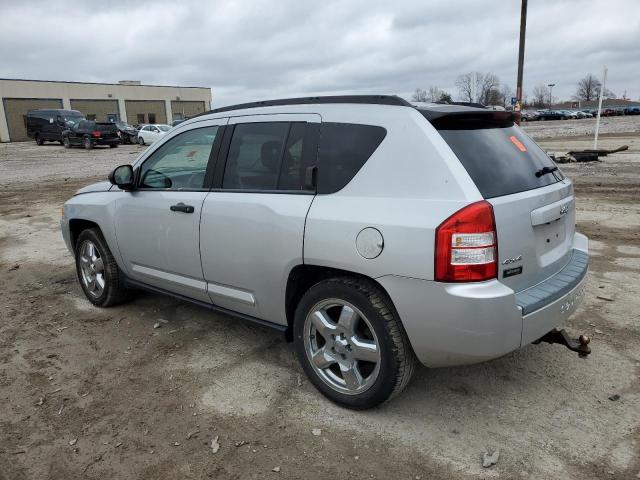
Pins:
x,y
97,270
87,143
140,141
66,142
113,145
39,140
351,343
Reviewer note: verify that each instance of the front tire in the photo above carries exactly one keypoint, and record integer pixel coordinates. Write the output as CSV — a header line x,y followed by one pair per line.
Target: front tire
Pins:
x,y
66,142
98,273
39,140
351,343
113,145
140,141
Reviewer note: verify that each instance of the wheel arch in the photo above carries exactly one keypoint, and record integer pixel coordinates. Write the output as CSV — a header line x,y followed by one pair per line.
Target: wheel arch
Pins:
x,y
302,277
77,226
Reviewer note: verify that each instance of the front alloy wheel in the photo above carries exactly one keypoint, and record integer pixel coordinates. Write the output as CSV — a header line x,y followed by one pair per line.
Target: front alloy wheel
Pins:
x,y
91,269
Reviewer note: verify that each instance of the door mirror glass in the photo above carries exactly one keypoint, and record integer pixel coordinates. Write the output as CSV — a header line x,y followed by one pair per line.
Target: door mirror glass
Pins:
x,y
122,177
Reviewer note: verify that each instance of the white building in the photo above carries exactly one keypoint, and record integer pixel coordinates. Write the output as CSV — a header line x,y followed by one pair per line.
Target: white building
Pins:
x,y
126,100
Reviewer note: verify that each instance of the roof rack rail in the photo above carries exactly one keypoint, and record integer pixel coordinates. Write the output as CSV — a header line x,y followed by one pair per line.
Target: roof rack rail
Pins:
x,y
360,99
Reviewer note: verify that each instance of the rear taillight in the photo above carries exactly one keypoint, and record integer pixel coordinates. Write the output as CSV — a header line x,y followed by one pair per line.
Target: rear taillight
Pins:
x,y
467,245
96,133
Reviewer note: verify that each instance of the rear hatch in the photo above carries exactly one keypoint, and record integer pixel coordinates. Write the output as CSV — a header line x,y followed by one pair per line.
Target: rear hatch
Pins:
x,y
107,130
533,203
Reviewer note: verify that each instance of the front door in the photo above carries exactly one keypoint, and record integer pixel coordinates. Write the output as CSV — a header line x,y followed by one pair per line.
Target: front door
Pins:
x,y
157,224
252,226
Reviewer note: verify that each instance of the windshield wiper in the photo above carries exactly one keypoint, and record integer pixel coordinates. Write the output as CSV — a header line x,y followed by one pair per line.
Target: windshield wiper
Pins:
x,y
545,170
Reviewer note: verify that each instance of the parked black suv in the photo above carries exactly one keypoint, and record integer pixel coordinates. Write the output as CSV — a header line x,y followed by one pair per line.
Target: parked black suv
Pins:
x,y
89,134
47,125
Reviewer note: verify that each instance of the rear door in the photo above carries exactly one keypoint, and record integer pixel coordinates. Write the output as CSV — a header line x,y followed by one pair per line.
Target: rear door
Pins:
x,y
533,203
252,226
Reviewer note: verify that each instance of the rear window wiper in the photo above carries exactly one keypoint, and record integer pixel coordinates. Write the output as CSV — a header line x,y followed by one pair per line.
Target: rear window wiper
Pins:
x,y
545,170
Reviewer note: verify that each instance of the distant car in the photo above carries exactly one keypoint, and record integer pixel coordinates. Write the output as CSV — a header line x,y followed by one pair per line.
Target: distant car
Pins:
x,y
529,116
47,125
128,134
587,113
88,134
550,115
608,112
150,133
177,122
568,114
632,111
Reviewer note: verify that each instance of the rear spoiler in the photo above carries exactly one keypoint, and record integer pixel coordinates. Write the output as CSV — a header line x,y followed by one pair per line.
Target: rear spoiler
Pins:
x,y
470,118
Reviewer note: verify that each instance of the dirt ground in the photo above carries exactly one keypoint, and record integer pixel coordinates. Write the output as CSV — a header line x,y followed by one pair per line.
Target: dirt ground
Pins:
x,y
91,393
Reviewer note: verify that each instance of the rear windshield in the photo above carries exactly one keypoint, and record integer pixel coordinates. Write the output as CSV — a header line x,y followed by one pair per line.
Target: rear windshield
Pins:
x,y
498,156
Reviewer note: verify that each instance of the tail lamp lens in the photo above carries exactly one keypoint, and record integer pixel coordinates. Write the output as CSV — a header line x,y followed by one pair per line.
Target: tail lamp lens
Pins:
x,y
467,246
96,133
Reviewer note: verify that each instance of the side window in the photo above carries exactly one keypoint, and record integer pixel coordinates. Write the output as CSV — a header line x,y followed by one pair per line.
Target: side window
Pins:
x,y
342,151
255,158
181,162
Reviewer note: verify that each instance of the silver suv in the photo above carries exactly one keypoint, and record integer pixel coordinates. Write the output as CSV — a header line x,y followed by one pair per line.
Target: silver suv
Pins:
x,y
369,230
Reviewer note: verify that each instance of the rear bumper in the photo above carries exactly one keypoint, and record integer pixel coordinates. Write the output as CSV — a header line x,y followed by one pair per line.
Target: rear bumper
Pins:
x,y
457,324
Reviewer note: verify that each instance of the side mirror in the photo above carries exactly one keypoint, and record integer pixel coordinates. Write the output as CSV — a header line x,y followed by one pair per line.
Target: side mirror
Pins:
x,y
122,177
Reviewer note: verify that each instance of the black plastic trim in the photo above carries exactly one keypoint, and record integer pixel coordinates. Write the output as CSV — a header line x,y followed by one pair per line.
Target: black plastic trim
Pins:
x,y
211,306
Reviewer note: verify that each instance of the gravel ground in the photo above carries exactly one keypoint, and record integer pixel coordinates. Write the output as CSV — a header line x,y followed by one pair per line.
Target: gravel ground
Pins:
x,y
91,393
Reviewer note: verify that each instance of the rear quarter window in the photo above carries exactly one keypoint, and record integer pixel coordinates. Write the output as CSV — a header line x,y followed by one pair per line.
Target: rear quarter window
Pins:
x,y
342,151
500,159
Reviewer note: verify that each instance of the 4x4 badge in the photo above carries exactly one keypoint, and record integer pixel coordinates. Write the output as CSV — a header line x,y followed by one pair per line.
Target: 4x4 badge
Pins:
x,y
564,209
508,261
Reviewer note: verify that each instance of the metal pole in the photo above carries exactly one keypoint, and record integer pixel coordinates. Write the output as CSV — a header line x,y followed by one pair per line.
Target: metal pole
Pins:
x,y
551,85
604,79
523,28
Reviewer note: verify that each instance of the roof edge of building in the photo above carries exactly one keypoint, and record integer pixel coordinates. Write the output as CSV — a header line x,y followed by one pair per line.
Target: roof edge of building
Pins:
x,y
97,83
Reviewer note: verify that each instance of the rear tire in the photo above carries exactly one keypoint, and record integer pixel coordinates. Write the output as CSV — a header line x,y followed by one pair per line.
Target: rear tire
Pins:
x,y
351,344
113,145
39,140
98,273
87,143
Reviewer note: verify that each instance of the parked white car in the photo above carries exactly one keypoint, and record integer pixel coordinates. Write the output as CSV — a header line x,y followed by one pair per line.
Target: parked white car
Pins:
x,y
150,133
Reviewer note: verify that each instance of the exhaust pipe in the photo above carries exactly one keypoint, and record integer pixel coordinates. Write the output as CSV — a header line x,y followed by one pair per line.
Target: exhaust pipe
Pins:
x,y
580,344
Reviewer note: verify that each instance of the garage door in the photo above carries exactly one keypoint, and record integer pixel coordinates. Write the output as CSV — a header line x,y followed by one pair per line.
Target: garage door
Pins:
x,y
145,111
96,109
15,110
181,110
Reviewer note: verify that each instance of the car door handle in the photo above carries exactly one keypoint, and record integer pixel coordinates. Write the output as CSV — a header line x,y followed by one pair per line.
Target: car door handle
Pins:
x,y
181,207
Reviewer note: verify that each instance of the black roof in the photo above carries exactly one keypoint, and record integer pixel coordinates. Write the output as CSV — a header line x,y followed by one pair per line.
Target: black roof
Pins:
x,y
360,99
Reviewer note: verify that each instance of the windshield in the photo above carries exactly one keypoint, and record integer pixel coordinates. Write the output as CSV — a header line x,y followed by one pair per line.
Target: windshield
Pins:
x,y
164,128
72,120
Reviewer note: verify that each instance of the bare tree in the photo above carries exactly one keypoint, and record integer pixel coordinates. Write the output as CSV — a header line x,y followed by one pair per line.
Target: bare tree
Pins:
x,y
419,95
488,91
540,96
478,87
588,88
465,86
432,94
506,92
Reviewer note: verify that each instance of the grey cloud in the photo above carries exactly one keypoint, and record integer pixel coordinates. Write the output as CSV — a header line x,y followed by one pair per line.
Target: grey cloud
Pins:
x,y
246,50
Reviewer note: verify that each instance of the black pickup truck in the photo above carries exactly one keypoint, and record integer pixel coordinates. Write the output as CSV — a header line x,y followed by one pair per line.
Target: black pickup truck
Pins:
x,y
88,134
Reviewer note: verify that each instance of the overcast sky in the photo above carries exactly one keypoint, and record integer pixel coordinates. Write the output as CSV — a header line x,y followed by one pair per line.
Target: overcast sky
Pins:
x,y
251,50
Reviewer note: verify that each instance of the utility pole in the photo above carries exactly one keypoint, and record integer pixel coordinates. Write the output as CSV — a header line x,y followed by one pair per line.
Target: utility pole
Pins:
x,y
523,28
551,85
